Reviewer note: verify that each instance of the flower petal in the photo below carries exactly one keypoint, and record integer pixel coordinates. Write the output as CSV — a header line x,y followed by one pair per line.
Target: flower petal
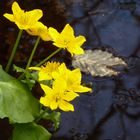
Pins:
x,y
16,9
33,16
53,33
78,51
80,40
65,106
45,101
57,87
53,105
68,32
76,73
28,19
69,96
36,29
46,89
44,76
9,16
49,101
59,44
45,36
34,68
40,30
81,88
73,48
61,72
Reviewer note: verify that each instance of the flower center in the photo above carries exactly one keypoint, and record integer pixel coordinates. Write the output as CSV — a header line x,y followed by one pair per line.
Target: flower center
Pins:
x,y
66,42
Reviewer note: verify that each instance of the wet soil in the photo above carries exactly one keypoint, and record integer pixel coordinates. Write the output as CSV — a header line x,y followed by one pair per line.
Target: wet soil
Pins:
x,y
112,111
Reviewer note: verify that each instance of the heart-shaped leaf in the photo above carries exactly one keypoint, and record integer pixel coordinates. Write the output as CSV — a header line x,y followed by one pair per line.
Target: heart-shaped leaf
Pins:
x,y
30,131
16,100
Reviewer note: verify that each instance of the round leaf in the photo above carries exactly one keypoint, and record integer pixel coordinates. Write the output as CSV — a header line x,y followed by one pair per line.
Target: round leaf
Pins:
x,y
16,100
30,131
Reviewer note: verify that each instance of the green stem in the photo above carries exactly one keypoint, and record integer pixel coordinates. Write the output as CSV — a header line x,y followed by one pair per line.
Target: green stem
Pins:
x,y
32,53
47,58
30,58
42,62
13,51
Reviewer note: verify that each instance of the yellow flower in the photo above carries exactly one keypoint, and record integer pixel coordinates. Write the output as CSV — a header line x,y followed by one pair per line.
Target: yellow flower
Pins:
x,y
45,72
57,97
40,30
24,20
71,78
66,39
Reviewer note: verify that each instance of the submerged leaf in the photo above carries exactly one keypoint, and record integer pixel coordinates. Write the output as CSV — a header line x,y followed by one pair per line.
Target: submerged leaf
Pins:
x,y
97,63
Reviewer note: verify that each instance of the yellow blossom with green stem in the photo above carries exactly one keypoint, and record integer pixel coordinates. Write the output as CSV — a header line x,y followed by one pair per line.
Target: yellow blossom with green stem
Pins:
x,y
46,70
60,84
58,96
67,40
40,30
24,21
72,78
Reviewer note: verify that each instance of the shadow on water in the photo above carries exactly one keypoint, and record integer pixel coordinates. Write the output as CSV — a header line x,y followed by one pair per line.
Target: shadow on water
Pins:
x,y
112,111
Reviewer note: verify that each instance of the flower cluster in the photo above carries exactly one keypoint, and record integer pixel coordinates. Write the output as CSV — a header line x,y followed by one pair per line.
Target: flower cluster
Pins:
x,y
66,84
29,21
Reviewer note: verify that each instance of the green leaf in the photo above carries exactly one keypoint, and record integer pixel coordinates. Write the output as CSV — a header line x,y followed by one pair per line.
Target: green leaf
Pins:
x,y
30,131
18,69
54,117
16,100
30,83
34,75
31,78
46,82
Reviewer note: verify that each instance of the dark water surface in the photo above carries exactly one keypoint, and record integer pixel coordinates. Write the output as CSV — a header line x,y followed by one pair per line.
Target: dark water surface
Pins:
x,y
112,111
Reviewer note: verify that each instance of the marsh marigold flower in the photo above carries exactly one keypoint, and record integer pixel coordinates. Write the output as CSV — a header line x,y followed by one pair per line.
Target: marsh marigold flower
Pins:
x,y
24,20
71,78
39,29
58,97
66,39
46,71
